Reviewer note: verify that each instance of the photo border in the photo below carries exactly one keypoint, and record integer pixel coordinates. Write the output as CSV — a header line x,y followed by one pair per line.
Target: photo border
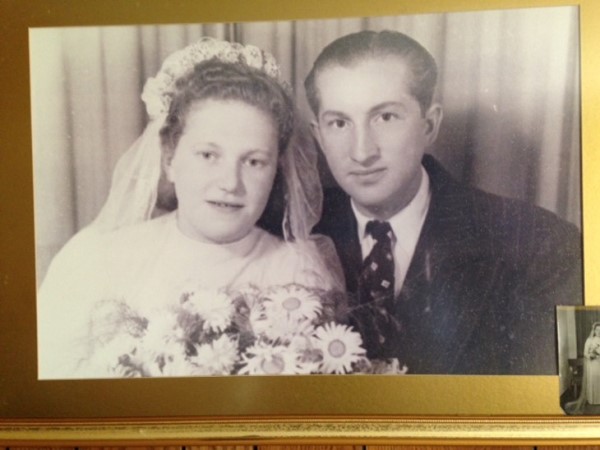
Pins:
x,y
435,409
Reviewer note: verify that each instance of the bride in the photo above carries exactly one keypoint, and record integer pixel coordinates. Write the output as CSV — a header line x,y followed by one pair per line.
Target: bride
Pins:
x,y
152,286
590,385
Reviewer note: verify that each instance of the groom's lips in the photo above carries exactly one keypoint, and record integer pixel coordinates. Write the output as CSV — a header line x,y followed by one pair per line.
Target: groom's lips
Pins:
x,y
368,176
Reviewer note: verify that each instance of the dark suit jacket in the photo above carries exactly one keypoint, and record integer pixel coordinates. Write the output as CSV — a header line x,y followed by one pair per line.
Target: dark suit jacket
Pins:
x,y
480,292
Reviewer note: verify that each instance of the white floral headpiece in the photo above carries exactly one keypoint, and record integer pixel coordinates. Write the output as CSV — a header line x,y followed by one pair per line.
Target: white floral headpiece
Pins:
x,y
158,91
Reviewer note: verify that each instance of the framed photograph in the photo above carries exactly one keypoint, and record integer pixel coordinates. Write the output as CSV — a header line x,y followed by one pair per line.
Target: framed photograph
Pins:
x,y
578,339
102,222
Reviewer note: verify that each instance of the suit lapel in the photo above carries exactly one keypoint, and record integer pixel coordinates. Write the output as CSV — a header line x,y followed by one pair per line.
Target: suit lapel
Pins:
x,y
448,233
437,309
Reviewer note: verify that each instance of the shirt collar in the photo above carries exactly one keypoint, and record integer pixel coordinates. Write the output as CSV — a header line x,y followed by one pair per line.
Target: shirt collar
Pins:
x,y
407,222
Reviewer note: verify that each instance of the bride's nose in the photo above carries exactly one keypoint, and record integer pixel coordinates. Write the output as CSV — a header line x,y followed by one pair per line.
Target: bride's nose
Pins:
x,y
229,177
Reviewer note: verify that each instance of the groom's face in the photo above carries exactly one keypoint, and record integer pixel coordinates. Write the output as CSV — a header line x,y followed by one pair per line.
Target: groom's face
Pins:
x,y
373,132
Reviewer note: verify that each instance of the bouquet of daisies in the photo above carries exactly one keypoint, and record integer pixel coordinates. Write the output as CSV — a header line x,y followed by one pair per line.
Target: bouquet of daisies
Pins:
x,y
288,329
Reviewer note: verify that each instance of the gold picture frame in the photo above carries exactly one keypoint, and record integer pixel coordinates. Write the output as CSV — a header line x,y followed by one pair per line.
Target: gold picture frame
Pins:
x,y
455,410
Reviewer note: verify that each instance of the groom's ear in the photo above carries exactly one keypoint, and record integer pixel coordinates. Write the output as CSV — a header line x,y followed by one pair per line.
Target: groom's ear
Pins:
x,y
433,120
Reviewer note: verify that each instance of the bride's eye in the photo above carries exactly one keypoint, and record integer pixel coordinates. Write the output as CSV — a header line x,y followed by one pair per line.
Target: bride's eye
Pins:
x,y
256,162
206,155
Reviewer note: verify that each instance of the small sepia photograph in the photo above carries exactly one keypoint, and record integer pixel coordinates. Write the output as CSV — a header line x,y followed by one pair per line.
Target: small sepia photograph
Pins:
x,y
376,195
579,359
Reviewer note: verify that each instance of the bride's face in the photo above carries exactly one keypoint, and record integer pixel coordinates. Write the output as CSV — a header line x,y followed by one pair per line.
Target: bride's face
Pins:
x,y
223,169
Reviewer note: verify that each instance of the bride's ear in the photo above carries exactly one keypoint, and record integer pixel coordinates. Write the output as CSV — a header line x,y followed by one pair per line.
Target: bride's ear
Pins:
x,y
316,132
166,161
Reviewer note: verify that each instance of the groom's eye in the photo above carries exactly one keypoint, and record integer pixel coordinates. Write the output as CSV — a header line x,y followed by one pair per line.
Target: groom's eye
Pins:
x,y
338,123
386,117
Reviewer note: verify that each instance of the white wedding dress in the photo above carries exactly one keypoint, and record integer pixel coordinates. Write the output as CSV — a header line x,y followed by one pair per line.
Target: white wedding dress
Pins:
x,y
592,367
148,266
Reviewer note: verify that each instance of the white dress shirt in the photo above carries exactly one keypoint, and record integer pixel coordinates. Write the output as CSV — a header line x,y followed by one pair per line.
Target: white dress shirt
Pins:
x,y
406,226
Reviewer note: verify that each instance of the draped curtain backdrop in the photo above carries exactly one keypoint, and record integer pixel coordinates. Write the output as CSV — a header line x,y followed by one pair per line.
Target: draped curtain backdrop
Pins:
x,y
509,84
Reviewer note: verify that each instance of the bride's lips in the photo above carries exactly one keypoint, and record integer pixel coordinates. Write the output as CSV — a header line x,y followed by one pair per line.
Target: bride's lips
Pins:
x,y
225,205
368,176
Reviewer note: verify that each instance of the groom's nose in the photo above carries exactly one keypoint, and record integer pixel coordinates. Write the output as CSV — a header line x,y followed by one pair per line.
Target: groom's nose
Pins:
x,y
364,150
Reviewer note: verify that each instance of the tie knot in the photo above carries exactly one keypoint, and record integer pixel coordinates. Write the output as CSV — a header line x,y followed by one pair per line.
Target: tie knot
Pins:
x,y
379,230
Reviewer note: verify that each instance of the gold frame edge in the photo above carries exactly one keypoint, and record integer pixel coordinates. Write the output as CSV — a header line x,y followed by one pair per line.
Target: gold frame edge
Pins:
x,y
303,430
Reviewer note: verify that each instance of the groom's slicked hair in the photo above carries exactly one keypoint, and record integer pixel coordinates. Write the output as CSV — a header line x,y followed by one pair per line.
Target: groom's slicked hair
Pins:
x,y
356,47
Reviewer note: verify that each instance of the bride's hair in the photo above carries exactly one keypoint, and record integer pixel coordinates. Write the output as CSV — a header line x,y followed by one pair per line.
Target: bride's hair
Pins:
x,y
218,80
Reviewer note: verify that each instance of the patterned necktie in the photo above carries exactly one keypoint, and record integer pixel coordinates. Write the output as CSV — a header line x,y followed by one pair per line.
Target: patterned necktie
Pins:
x,y
377,277
376,290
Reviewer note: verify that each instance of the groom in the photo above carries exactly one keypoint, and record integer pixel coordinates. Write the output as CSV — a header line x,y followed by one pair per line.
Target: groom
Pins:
x,y
446,278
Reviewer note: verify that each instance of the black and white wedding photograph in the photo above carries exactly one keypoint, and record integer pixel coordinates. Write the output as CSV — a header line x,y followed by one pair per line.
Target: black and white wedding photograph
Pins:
x,y
579,359
396,195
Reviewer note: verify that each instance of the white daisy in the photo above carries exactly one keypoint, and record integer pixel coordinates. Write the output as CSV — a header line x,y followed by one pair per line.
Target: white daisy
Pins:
x,y
309,357
258,319
168,363
389,367
163,329
263,359
218,357
214,307
341,347
283,329
293,302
